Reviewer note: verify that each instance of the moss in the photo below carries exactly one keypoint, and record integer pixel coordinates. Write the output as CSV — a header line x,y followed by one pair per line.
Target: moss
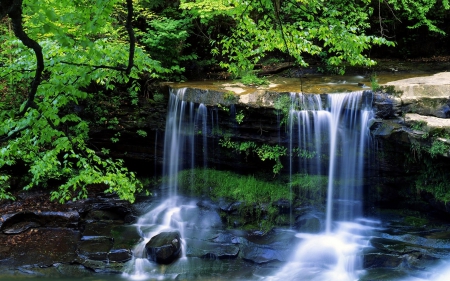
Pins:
x,y
257,197
415,221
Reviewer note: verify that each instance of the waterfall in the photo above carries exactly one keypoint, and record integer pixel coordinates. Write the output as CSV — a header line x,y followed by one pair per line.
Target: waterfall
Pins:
x,y
338,129
328,136
184,124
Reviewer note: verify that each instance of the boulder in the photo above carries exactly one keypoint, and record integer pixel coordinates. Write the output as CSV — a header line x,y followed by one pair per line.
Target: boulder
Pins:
x,y
309,223
427,95
165,247
275,246
106,209
204,249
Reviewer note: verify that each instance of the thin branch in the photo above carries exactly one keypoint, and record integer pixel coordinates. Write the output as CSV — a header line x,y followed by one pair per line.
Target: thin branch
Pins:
x,y
245,10
14,11
17,70
95,66
132,38
392,11
14,133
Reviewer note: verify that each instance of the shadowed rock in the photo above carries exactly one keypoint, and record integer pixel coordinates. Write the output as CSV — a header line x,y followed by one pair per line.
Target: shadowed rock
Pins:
x,y
164,247
203,249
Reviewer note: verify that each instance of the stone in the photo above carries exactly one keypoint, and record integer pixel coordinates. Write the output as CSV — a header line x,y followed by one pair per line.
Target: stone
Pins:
x,y
376,260
275,246
20,227
165,247
204,249
428,95
119,255
95,247
39,246
309,223
431,123
15,223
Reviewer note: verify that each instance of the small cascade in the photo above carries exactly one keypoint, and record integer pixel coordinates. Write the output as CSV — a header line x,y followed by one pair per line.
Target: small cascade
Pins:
x,y
170,212
336,128
201,127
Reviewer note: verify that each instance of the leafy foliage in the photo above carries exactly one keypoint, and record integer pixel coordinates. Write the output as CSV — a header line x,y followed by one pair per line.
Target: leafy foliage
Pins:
x,y
333,29
250,79
434,178
432,175
419,12
166,41
82,48
264,151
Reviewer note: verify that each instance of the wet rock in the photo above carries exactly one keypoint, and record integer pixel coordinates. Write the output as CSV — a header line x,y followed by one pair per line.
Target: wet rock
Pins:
x,y
229,207
204,249
124,236
207,205
98,215
224,237
165,247
39,246
386,106
59,219
283,206
95,247
119,255
102,267
72,270
97,209
408,248
262,253
20,227
272,247
21,221
375,260
309,223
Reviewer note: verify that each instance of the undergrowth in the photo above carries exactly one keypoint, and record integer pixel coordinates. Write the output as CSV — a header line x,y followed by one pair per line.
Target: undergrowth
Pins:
x,y
256,197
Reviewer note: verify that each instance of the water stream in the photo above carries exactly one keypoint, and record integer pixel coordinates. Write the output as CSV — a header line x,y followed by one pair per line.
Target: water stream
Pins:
x,y
341,126
335,129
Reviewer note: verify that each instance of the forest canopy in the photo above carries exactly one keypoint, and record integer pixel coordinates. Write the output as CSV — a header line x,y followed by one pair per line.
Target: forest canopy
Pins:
x,y
59,59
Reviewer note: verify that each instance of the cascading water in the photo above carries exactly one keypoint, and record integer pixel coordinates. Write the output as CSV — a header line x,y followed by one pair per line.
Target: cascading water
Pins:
x,y
339,132
169,213
328,136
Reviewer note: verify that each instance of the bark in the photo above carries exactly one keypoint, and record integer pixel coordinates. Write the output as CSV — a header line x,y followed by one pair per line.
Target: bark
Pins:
x,y
131,36
13,9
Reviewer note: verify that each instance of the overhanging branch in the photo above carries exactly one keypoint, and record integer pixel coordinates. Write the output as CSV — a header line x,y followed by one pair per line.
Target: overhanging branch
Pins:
x,y
14,10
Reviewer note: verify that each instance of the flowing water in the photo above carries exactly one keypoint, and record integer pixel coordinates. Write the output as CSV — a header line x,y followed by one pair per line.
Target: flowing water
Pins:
x,y
339,131
335,129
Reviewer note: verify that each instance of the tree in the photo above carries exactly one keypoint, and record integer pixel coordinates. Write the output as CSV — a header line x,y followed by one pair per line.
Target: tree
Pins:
x,y
74,46
337,31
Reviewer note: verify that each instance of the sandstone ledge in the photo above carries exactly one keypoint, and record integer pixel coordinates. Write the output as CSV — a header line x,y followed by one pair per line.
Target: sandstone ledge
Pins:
x,y
429,95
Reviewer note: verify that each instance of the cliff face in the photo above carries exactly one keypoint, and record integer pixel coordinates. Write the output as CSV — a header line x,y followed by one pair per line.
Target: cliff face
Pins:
x,y
408,155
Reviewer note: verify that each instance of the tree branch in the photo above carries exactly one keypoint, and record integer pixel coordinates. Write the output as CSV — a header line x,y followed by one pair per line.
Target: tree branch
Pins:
x,y
118,68
132,38
14,10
